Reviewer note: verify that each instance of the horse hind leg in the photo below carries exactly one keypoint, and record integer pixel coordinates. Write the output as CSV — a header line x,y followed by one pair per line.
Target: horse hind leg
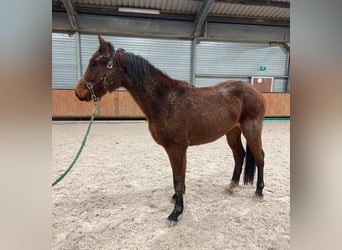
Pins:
x,y
234,142
255,155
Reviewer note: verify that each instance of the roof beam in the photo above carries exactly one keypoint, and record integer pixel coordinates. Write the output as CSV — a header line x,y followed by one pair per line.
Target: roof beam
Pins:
x,y
281,22
72,13
286,46
202,15
258,3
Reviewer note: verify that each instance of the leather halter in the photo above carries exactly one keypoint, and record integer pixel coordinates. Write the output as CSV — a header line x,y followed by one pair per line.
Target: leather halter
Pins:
x,y
90,85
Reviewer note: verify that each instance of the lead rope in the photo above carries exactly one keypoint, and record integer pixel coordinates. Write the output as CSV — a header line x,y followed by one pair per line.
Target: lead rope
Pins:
x,y
81,148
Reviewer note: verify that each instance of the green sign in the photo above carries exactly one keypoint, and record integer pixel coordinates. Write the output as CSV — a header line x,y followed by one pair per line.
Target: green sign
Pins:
x,y
262,68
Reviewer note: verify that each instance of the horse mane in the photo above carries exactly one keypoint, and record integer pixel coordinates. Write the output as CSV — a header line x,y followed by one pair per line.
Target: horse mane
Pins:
x,y
139,70
137,67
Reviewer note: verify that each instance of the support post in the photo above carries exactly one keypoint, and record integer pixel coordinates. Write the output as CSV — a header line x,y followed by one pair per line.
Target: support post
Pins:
x,y
78,55
193,60
72,13
288,85
201,16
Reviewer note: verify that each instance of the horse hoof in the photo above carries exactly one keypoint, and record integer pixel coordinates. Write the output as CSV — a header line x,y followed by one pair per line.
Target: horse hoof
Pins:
x,y
233,185
170,223
173,217
228,190
258,194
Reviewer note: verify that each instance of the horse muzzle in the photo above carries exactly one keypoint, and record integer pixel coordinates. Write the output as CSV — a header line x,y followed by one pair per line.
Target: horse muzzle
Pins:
x,y
81,93
79,98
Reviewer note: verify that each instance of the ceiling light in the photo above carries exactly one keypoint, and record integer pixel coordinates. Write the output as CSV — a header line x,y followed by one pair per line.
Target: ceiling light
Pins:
x,y
138,10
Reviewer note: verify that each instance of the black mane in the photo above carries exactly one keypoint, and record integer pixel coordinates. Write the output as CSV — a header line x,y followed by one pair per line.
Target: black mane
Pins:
x,y
137,67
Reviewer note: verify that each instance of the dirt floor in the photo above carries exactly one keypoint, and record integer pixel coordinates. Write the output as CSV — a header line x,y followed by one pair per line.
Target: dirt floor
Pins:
x,y
118,194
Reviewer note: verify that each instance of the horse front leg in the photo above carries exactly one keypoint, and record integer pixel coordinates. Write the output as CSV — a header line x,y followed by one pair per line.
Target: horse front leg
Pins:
x,y
177,157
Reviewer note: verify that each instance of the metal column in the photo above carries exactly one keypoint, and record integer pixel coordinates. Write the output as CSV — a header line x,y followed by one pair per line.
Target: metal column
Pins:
x,y
78,55
193,61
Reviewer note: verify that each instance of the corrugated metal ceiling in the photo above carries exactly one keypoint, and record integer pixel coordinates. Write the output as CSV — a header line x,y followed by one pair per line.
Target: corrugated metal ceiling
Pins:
x,y
268,10
164,5
231,9
181,6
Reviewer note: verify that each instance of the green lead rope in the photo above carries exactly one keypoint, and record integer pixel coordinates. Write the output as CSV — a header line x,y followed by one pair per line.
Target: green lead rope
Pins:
x,y
79,151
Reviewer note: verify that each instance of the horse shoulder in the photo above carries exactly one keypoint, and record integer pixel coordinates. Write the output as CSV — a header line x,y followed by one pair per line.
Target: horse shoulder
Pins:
x,y
170,124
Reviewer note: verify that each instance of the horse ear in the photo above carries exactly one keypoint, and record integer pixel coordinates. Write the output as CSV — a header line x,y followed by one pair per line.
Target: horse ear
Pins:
x,y
102,42
104,45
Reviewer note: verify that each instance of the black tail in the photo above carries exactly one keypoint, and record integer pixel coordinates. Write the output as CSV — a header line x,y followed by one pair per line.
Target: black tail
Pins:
x,y
249,167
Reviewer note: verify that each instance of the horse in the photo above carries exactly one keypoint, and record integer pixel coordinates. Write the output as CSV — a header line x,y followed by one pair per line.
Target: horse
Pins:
x,y
180,115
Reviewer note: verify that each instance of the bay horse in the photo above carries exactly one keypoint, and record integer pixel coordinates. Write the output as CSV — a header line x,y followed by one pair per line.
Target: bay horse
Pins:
x,y
180,115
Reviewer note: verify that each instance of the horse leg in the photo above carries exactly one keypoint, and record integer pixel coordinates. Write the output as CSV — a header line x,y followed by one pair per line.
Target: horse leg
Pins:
x,y
177,159
234,142
252,129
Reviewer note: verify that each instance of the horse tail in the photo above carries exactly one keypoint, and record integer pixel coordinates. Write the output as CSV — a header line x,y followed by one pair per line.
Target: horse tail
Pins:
x,y
249,167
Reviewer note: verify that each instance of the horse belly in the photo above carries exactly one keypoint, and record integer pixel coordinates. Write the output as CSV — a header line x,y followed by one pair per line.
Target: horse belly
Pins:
x,y
213,116
204,139
208,131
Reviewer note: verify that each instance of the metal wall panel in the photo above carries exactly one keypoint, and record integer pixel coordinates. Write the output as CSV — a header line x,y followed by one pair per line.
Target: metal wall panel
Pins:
x,y
240,61
206,81
64,63
279,85
215,61
171,56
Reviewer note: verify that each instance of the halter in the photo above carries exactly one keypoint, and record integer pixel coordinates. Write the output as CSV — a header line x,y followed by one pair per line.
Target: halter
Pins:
x,y
90,85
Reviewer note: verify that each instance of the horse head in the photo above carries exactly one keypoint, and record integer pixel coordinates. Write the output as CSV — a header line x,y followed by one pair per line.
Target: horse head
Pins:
x,y
103,74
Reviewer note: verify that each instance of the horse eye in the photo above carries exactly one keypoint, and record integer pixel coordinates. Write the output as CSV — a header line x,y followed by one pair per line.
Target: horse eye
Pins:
x,y
93,63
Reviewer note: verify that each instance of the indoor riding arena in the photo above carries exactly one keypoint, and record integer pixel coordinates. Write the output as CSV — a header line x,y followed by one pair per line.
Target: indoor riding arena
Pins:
x,y
123,188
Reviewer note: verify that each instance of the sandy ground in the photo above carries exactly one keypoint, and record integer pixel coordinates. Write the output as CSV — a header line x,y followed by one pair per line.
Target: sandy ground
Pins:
x,y
118,194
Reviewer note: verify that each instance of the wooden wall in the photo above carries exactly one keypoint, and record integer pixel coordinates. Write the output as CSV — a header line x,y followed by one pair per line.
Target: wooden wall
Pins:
x,y
277,104
120,104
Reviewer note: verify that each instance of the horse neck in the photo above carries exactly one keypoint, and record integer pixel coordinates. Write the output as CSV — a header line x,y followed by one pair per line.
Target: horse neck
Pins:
x,y
149,92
